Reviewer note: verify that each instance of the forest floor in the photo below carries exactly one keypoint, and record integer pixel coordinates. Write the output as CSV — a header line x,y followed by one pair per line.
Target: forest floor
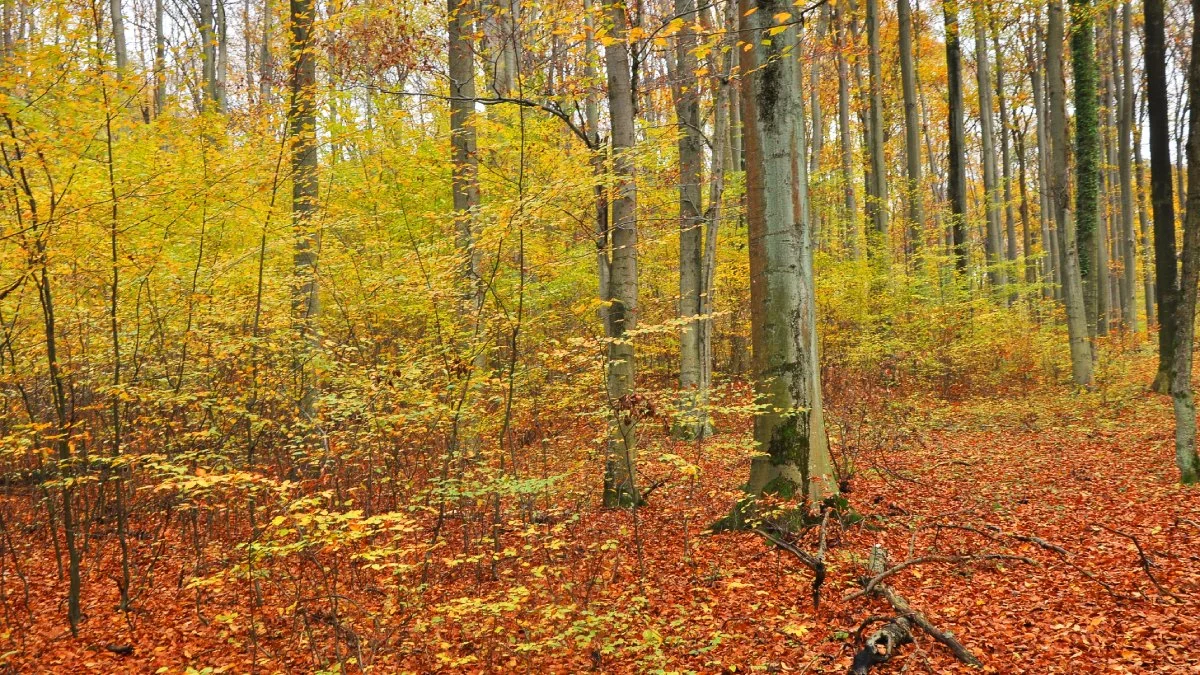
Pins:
x,y
1080,472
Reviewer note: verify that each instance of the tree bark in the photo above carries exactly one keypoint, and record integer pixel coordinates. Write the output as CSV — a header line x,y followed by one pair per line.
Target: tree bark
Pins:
x,y
791,430
1087,159
302,128
995,269
1184,404
160,60
1010,227
912,129
1077,325
1161,197
1124,157
849,200
118,28
877,203
1050,243
957,180
686,94
1139,172
620,485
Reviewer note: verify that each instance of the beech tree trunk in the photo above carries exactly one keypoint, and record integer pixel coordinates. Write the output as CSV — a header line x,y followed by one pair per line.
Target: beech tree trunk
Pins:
x,y
1050,243
1087,160
1060,194
912,129
118,28
1161,198
1124,158
995,271
877,204
791,430
956,187
1139,172
1010,227
850,203
620,484
1184,404
686,94
302,127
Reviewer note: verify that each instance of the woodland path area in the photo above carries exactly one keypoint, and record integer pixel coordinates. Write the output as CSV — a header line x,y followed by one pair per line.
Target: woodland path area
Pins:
x,y
1076,471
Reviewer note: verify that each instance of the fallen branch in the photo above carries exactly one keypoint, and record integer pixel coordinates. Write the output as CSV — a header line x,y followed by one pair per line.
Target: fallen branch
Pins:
x,y
869,587
814,563
1145,561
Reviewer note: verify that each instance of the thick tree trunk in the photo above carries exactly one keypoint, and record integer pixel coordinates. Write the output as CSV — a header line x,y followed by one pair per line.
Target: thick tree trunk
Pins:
x,y
620,484
302,128
1087,159
877,205
957,179
791,431
850,202
1161,198
1060,195
996,273
912,129
1184,403
686,94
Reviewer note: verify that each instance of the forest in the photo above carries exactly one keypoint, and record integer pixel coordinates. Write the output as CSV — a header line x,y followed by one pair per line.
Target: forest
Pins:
x,y
622,336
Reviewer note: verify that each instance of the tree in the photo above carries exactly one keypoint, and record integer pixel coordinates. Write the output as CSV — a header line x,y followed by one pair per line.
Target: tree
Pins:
x,y
302,130
1183,402
849,200
691,222
956,183
1060,197
620,484
877,203
791,430
1087,158
1162,200
987,138
1123,79
118,28
912,127
1006,164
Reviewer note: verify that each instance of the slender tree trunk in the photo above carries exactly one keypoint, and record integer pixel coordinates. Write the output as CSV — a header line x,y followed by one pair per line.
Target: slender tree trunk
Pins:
x,y
1087,158
1124,157
306,305
1077,326
1184,404
820,238
691,222
850,202
991,197
791,430
1139,172
1050,243
118,27
160,59
222,67
1010,227
912,129
620,485
266,58
1026,234
208,57
877,205
957,179
1161,198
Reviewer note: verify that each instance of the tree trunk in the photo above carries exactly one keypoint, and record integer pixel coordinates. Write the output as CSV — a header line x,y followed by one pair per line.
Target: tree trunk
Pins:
x,y
306,304
791,431
1010,227
818,119
691,223
957,179
850,203
1161,198
160,60
877,204
991,197
118,27
1050,244
620,484
208,57
912,129
1087,158
266,59
1124,157
1139,172
1184,404
1060,195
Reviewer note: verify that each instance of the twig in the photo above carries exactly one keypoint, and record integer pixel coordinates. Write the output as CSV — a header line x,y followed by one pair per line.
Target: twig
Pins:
x,y
815,564
1145,561
869,587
